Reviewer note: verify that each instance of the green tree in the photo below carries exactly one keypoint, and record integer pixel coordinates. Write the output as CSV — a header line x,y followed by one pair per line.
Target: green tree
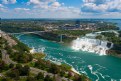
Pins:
x,y
3,66
11,65
18,66
0,54
99,37
54,69
48,78
24,71
31,79
14,73
40,76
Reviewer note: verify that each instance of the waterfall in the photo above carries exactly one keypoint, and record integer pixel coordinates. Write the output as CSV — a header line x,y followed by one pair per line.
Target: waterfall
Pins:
x,y
91,45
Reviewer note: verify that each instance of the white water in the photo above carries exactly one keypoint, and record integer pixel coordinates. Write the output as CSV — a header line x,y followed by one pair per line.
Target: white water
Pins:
x,y
91,45
32,50
104,68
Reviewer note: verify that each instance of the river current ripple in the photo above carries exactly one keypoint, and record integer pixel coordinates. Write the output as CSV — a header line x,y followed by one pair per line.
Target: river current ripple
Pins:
x,y
96,67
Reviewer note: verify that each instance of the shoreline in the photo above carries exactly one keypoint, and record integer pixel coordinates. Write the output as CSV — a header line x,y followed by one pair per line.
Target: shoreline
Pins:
x,y
58,63
75,71
68,44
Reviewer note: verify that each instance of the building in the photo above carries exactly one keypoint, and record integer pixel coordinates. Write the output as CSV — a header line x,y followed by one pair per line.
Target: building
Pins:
x,y
77,24
69,27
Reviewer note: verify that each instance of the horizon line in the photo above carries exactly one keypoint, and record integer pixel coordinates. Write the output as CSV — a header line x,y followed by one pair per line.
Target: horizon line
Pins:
x,y
60,18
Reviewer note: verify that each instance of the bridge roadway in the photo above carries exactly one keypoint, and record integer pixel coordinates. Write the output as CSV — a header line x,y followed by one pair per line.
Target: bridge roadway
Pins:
x,y
27,32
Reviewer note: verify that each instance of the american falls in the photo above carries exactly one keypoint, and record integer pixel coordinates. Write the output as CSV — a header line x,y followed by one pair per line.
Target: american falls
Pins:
x,y
92,45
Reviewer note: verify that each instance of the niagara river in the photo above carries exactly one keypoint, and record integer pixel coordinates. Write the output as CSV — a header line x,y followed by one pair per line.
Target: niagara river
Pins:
x,y
96,67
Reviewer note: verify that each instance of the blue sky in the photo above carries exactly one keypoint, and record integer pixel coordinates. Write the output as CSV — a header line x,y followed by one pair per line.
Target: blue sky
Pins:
x,y
60,8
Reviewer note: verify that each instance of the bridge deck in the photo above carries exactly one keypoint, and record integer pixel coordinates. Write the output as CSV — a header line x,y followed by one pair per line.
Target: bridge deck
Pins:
x,y
28,32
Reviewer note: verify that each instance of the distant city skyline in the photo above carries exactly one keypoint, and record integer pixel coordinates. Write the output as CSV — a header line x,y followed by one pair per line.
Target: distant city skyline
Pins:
x,y
60,9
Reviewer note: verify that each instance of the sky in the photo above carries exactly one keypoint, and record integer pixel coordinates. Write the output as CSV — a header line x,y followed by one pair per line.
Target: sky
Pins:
x,y
60,8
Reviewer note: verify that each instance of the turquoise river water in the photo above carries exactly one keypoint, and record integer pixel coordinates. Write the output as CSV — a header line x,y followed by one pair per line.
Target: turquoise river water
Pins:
x,y
97,68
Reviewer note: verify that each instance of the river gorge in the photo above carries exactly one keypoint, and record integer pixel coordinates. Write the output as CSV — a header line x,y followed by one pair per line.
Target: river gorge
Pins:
x,y
96,67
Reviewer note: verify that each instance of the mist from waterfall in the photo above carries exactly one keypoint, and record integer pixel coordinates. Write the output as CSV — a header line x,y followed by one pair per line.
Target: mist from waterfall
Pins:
x,y
91,45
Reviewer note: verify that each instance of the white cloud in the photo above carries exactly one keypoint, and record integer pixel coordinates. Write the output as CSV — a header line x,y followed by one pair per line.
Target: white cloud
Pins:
x,y
114,6
2,8
1,5
38,2
56,4
97,2
34,2
100,6
9,1
91,7
21,9
53,7
43,4
43,8
112,14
